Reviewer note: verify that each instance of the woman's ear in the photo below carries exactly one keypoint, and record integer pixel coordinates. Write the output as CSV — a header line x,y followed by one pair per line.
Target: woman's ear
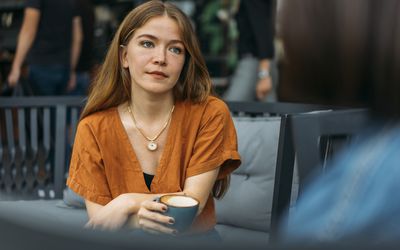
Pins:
x,y
123,56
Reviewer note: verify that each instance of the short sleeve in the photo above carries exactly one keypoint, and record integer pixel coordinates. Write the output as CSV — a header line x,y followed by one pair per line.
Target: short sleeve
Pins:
x,y
216,143
87,175
77,9
36,4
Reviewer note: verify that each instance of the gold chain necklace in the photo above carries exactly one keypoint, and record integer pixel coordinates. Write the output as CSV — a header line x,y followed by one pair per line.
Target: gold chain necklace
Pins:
x,y
152,145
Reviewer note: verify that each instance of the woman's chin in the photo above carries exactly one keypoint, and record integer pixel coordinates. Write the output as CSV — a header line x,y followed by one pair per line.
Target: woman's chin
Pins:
x,y
158,89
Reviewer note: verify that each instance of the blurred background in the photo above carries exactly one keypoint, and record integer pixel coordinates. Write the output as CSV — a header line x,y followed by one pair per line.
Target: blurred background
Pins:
x,y
214,21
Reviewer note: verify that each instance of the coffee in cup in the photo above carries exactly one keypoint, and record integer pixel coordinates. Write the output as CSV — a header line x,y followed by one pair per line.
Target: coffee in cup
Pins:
x,y
182,208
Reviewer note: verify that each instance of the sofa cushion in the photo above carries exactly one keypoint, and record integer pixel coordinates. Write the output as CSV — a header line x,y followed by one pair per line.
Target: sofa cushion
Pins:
x,y
73,199
52,210
248,202
240,235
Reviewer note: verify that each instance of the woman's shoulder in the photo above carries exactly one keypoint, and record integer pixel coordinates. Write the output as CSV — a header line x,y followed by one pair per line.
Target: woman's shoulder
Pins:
x,y
211,106
216,107
216,102
98,118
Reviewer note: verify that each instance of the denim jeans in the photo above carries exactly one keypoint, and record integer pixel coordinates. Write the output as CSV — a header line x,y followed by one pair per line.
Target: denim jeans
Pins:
x,y
48,79
82,84
243,83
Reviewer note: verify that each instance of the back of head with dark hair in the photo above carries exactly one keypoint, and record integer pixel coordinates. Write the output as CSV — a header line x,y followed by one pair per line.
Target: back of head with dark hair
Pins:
x,y
342,52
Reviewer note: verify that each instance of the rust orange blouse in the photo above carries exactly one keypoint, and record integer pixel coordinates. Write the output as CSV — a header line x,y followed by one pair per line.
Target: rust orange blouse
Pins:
x,y
201,137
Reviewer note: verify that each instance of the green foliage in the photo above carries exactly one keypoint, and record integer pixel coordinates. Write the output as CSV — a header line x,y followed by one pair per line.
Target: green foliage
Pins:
x,y
221,35
211,28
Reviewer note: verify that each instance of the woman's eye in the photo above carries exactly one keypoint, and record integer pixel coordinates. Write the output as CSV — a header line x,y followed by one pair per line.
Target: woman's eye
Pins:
x,y
176,50
147,44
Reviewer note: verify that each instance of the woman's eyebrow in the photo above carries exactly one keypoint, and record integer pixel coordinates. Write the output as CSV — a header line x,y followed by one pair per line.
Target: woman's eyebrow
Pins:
x,y
148,36
156,38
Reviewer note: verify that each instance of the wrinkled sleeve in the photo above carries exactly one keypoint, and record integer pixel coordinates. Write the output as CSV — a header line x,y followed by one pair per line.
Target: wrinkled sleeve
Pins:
x,y
87,175
216,144
260,14
77,9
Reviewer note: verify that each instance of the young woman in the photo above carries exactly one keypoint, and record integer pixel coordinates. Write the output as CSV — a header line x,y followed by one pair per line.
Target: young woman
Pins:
x,y
151,126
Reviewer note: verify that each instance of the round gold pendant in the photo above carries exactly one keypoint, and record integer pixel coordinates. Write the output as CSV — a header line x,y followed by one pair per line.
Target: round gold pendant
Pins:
x,y
152,146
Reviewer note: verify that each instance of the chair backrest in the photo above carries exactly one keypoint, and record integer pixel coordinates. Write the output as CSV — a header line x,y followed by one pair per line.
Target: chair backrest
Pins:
x,y
314,137
284,153
35,137
317,136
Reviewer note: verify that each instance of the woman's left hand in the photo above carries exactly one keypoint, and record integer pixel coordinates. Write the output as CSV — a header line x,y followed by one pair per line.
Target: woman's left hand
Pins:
x,y
150,218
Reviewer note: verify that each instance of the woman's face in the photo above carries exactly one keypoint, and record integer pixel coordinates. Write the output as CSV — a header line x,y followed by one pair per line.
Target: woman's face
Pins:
x,y
155,56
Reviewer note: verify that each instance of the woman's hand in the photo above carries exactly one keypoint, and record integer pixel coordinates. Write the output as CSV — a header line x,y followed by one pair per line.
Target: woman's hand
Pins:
x,y
150,218
112,216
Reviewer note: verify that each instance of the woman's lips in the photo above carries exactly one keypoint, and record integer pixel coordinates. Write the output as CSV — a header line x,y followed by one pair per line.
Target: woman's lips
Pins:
x,y
158,74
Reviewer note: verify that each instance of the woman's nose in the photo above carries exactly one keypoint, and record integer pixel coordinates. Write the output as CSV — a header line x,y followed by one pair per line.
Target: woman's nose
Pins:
x,y
160,57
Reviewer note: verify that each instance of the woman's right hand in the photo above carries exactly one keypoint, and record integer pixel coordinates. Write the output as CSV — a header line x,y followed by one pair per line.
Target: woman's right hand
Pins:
x,y
150,218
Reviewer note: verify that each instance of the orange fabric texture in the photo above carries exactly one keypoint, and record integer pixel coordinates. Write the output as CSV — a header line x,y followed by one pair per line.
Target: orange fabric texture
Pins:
x,y
201,137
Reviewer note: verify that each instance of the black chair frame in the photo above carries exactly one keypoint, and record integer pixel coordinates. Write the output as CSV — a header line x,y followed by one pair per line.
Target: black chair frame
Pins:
x,y
285,154
310,138
33,143
317,136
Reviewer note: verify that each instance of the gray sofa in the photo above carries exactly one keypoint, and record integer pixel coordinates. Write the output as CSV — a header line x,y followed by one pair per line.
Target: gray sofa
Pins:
x,y
244,214
245,211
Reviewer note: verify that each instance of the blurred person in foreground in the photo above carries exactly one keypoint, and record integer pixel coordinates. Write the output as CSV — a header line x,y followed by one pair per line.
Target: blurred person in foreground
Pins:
x,y
50,39
348,53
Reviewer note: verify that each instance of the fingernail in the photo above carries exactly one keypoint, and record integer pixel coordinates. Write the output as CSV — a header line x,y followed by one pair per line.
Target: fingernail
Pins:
x,y
171,221
164,208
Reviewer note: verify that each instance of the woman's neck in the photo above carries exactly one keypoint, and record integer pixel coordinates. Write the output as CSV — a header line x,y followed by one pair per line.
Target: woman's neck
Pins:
x,y
151,109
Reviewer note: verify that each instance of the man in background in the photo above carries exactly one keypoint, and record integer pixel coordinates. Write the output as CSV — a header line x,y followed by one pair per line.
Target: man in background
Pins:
x,y
252,77
50,39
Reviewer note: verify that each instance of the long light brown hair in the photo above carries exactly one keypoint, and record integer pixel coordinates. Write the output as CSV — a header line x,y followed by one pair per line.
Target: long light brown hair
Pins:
x,y
112,85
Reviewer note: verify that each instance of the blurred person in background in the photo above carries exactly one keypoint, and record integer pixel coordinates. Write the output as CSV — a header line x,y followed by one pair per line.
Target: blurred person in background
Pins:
x,y
252,77
348,53
51,33
85,64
